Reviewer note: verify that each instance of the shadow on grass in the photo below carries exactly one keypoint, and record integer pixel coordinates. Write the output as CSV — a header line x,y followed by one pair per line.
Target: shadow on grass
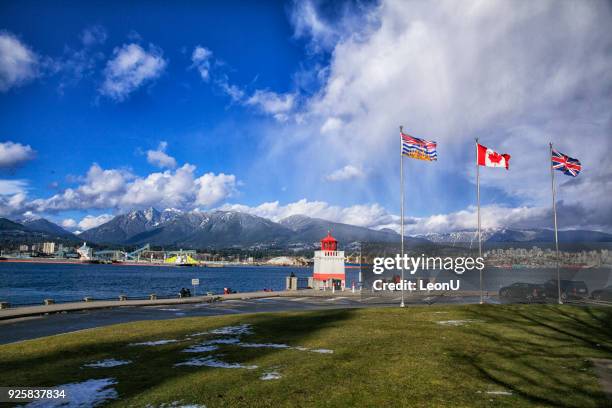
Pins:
x,y
541,353
153,366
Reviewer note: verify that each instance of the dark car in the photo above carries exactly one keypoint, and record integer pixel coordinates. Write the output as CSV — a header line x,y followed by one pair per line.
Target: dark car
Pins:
x,y
602,294
569,289
523,291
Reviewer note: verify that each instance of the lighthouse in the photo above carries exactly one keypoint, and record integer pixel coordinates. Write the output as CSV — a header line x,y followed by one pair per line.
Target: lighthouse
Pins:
x,y
328,265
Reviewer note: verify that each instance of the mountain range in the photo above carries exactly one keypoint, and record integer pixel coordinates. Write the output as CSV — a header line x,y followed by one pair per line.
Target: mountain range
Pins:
x,y
498,235
33,230
234,229
224,229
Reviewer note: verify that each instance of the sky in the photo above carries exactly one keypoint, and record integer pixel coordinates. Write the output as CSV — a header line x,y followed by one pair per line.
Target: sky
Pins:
x,y
283,108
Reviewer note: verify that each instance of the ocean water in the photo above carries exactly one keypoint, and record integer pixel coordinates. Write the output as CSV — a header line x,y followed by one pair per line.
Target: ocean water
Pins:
x,y
31,283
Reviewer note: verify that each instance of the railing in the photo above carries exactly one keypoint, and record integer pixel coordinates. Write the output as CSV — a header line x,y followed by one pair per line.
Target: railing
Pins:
x,y
96,299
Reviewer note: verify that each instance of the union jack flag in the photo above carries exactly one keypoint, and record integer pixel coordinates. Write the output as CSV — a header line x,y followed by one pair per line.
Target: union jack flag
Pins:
x,y
420,149
566,164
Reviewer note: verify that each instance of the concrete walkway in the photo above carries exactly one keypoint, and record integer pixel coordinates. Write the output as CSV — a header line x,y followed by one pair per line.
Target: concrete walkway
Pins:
x,y
35,326
25,311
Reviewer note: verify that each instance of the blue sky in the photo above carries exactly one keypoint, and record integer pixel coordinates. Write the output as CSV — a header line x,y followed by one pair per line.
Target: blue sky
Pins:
x,y
281,108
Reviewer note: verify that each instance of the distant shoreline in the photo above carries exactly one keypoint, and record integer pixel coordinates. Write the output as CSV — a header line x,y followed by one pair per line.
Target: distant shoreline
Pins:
x,y
79,262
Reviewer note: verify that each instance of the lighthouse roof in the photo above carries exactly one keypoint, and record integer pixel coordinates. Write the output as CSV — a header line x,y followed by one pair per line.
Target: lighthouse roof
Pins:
x,y
329,238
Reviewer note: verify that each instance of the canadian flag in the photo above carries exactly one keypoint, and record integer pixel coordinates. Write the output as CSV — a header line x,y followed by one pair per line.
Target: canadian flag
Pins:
x,y
490,158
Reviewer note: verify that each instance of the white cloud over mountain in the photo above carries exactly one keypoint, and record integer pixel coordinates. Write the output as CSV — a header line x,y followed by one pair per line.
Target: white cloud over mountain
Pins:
x,y
119,189
91,221
130,68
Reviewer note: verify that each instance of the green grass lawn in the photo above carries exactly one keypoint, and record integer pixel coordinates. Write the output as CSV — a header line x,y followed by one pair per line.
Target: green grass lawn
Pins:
x,y
382,357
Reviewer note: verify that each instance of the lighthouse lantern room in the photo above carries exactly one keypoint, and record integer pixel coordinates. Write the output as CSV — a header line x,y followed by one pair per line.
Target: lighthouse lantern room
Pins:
x,y
329,265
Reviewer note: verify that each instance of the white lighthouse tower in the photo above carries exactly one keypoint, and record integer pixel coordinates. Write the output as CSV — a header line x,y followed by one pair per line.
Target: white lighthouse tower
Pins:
x,y
328,265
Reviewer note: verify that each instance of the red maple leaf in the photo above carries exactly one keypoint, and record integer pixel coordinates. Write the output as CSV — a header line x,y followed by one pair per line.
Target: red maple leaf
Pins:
x,y
495,157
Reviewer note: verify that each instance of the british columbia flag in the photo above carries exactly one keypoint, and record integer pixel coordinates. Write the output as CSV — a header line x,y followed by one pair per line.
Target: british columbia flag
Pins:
x,y
566,164
420,149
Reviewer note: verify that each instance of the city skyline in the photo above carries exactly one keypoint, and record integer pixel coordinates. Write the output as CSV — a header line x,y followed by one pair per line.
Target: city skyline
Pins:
x,y
293,108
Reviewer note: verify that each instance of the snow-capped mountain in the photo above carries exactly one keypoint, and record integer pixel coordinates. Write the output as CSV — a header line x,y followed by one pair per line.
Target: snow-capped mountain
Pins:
x,y
516,235
222,229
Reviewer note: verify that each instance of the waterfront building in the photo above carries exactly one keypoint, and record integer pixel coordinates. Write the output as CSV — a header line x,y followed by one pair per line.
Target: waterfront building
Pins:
x,y
85,252
48,248
328,265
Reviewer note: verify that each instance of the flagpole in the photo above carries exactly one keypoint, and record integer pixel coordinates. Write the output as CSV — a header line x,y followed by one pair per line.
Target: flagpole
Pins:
x,y
402,209
478,204
360,273
554,201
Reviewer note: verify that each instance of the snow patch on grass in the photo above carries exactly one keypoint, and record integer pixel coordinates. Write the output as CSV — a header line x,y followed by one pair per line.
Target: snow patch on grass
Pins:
x,y
456,322
230,340
499,393
238,330
111,362
90,393
322,351
270,375
264,345
201,348
212,361
153,343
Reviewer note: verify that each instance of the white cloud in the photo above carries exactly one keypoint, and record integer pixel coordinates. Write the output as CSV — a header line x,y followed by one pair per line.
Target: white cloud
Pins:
x,y
165,189
275,104
69,223
376,217
234,92
346,20
451,71
179,189
13,197
94,35
371,216
160,158
130,68
9,187
331,125
100,189
212,188
201,58
122,190
91,221
347,172
13,154
18,63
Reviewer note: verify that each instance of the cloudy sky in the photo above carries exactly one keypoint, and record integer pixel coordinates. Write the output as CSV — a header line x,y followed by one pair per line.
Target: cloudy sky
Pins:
x,y
285,108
